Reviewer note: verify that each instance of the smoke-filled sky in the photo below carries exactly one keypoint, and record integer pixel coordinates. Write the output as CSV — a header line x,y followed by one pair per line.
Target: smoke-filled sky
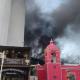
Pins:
x,y
48,6
57,19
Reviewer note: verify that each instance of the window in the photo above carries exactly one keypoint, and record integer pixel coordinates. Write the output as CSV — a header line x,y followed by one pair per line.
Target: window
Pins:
x,y
53,58
71,76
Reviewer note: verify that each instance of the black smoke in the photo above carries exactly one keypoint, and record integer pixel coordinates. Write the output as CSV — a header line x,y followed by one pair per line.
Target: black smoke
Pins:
x,y
41,27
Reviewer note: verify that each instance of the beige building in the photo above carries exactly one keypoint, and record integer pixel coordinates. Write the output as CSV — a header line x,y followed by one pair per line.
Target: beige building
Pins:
x,y
12,22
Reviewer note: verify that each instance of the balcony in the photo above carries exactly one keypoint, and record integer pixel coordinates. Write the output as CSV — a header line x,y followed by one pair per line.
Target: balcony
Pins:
x,y
9,61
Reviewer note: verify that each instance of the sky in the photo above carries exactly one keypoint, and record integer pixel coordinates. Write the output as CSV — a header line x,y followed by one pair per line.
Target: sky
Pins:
x,y
49,5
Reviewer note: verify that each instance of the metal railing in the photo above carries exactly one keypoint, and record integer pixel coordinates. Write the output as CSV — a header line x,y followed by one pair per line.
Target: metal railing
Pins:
x,y
8,61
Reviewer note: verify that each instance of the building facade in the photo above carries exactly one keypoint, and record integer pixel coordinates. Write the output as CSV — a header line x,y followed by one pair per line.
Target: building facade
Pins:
x,y
12,22
53,69
14,63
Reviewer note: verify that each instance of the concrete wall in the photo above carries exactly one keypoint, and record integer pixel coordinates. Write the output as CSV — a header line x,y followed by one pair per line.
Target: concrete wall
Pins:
x,y
16,29
5,12
12,22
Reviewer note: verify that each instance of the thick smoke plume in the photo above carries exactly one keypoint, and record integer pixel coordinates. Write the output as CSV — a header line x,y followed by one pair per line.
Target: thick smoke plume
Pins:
x,y
63,25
